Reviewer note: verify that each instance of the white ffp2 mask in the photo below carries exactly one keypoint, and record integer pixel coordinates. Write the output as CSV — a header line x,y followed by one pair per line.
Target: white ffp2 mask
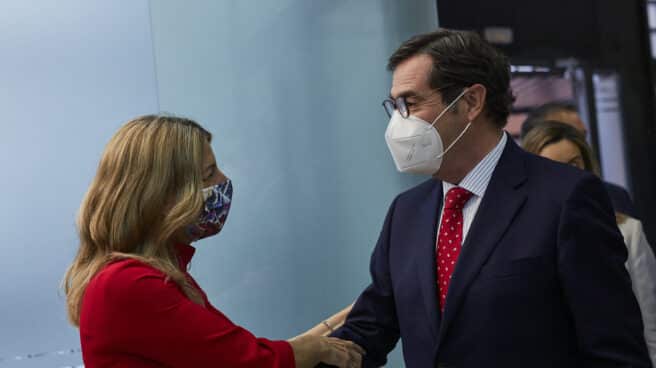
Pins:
x,y
415,145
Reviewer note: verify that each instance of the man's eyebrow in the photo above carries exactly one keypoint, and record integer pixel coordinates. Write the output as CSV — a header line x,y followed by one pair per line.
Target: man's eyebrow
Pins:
x,y
405,94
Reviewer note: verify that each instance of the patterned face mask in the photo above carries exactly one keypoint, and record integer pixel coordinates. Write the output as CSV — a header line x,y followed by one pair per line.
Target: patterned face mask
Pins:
x,y
215,211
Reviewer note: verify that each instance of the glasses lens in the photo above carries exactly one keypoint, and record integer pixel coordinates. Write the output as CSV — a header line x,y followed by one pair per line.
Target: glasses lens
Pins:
x,y
389,107
403,108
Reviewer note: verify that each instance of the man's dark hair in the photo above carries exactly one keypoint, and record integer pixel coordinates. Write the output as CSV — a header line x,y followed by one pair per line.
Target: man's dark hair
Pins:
x,y
461,59
542,112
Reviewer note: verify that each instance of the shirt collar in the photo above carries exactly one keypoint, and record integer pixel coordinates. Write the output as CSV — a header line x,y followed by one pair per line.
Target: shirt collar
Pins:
x,y
477,180
185,253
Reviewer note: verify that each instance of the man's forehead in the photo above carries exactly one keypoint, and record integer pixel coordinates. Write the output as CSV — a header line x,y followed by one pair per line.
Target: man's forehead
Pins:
x,y
412,75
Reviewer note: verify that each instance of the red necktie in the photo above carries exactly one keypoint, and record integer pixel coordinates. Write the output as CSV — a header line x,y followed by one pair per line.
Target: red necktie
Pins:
x,y
449,240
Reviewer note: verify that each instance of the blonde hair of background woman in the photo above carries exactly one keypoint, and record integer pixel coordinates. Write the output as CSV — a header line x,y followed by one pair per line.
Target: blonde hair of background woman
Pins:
x,y
147,188
549,132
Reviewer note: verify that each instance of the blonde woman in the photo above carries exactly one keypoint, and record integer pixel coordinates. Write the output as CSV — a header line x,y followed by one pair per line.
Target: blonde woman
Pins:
x,y
561,142
158,189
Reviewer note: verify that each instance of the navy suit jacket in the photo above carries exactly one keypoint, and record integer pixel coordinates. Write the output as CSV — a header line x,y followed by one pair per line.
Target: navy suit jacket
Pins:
x,y
540,281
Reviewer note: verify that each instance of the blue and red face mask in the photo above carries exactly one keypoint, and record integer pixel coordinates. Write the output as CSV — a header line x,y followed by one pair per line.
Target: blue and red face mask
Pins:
x,y
215,211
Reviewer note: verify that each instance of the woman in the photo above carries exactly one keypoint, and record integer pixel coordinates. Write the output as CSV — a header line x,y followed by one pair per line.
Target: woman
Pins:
x,y
157,189
561,142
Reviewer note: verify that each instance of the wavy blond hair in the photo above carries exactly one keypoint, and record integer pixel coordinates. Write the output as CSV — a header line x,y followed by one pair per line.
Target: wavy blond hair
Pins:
x,y
146,189
546,132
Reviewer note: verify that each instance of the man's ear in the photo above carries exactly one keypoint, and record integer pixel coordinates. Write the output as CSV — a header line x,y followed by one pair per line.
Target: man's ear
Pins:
x,y
474,100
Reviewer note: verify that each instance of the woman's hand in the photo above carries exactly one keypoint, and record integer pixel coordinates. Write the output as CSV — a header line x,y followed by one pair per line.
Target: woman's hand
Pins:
x,y
312,350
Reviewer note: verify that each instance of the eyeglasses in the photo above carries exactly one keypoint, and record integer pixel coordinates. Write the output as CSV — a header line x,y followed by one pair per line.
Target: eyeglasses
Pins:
x,y
396,104
400,104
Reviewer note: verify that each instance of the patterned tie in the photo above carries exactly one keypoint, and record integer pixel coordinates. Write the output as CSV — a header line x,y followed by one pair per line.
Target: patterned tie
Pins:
x,y
449,240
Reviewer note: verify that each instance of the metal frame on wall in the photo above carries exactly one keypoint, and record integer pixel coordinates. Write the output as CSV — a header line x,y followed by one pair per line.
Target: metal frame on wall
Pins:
x,y
626,49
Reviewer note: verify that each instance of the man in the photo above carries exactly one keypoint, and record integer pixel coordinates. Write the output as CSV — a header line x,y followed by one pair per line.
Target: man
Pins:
x,y
567,113
502,259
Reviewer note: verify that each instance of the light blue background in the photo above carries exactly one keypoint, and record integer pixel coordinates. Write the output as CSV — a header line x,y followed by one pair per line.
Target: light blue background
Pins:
x,y
70,73
291,90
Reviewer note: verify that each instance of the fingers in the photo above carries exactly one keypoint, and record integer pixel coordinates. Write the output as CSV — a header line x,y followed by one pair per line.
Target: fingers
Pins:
x,y
344,354
347,344
357,348
355,357
343,358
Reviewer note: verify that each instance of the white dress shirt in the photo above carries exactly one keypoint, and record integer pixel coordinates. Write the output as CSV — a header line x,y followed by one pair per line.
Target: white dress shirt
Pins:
x,y
476,181
641,265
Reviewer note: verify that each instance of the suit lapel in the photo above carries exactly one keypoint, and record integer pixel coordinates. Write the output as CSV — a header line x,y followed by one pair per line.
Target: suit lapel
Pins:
x,y
423,234
503,198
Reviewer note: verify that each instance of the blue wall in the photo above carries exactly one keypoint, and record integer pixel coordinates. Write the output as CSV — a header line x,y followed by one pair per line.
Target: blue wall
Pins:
x,y
70,73
291,89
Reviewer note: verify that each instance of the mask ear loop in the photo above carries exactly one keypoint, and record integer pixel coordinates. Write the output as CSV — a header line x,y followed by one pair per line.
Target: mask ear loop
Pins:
x,y
455,141
455,100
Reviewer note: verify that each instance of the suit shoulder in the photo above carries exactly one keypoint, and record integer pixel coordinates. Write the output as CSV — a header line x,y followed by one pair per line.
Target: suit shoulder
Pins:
x,y
616,191
555,177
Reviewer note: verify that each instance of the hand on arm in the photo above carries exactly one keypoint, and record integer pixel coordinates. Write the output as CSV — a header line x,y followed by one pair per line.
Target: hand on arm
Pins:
x,y
311,350
372,323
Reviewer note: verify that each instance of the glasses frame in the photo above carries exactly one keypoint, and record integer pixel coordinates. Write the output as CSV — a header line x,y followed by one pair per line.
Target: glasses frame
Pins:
x,y
398,104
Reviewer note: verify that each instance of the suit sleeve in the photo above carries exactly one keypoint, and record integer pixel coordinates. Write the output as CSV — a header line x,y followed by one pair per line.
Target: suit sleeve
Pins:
x,y
372,322
596,285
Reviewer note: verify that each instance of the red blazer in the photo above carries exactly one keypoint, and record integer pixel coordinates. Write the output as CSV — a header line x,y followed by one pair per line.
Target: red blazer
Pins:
x,y
132,317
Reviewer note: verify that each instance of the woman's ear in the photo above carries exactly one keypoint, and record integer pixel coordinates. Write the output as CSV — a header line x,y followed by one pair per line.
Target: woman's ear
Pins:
x,y
474,99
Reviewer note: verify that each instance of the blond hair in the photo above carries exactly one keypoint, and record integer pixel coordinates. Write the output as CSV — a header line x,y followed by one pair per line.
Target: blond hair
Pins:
x,y
146,189
546,132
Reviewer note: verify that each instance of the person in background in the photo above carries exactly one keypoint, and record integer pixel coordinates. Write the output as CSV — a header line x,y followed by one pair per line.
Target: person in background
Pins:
x,y
481,265
568,114
158,189
563,143
557,111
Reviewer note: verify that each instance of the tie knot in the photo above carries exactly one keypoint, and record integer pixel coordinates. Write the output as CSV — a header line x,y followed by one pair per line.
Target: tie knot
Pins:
x,y
456,198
